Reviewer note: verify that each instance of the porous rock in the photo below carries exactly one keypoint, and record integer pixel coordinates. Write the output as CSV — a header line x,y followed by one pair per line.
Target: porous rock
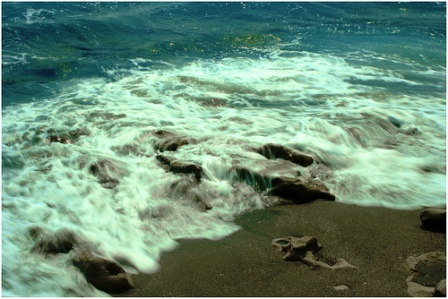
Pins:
x,y
274,151
296,248
103,274
300,189
426,271
433,219
440,290
303,249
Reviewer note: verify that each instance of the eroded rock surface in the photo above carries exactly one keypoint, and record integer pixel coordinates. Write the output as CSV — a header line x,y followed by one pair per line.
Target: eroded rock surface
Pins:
x,y
176,166
103,274
300,189
62,241
274,151
426,270
303,249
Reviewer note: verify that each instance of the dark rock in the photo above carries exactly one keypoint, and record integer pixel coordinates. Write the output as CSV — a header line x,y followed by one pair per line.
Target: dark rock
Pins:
x,y
177,166
395,121
69,138
187,168
165,159
300,189
433,219
202,201
103,274
274,151
186,189
170,141
62,241
426,271
100,170
440,290
60,139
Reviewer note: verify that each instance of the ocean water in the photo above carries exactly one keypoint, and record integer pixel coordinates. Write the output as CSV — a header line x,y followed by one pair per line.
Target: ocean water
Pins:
x,y
359,86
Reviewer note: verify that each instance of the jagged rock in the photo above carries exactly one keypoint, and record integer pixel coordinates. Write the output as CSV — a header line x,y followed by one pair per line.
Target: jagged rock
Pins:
x,y
62,241
303,249
440,290
187,168
185,188
300,189
103,274
170,141
177,166
273,151
69,138
314,263
202,201
296,248
433,219
100,170
60,139
426,271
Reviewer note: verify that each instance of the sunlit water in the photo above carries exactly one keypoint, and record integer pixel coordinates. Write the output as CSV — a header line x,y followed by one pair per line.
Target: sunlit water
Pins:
x,y
364,95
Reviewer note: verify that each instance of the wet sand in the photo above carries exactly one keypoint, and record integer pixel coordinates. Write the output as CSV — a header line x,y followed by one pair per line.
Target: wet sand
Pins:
x,y
375,240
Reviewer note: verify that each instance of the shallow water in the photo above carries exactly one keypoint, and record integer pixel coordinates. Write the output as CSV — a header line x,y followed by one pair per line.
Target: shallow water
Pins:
x,y
360,87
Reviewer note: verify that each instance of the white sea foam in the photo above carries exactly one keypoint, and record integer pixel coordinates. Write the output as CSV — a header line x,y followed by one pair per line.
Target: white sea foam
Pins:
x,y
306,101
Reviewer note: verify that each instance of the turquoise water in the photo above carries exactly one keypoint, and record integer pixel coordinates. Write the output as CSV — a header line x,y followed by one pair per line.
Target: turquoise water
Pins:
x,y
359,86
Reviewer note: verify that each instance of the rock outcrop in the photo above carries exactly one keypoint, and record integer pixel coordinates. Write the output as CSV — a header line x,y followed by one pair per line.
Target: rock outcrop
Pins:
x,y
101,170
177,166
103,274
170,141
62,241
433,219
274,151
304,249
300,189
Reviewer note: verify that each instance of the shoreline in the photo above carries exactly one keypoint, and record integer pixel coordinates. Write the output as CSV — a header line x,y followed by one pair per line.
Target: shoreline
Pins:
x,y
376,240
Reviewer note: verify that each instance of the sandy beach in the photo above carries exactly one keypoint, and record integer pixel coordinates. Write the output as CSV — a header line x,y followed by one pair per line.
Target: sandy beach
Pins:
x,y
376,240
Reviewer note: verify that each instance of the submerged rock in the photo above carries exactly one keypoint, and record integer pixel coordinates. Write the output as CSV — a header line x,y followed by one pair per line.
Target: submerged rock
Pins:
x,y
274,151
103,274
62,241
300,189
100,170
69,138
176,166
170,141
257,181
433,219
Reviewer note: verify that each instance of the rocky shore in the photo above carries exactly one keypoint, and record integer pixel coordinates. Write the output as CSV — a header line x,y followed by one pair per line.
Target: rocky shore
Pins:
x,y
372,244
307,244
